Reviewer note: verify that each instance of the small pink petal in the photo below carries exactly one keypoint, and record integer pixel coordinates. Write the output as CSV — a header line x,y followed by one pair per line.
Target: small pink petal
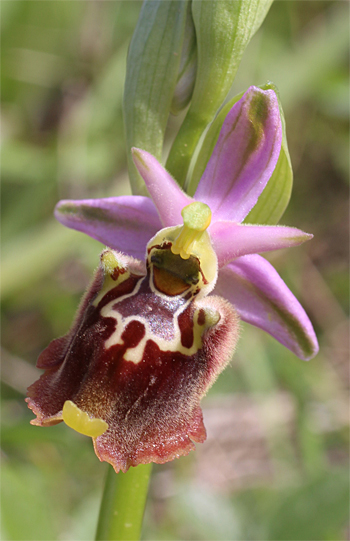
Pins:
x,y
231,240
165,192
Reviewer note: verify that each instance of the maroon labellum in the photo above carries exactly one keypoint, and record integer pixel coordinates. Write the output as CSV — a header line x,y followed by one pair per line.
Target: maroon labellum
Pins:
x,y
147,344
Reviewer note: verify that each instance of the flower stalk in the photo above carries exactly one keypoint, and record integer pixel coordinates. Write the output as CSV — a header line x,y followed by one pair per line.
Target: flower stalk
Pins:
x,y
123,503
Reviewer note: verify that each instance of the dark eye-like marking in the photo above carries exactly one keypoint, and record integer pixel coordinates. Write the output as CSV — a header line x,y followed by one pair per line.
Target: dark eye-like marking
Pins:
x,y
168,283
187,270
173,275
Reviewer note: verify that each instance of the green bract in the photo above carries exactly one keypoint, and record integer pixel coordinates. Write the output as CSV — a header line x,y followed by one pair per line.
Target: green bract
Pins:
x,y
223,31
274,199
151,77
188,67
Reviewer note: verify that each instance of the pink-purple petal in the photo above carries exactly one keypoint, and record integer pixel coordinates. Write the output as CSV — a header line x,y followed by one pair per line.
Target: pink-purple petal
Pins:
x,y
232,240
244,156
261,298
164,190
123,223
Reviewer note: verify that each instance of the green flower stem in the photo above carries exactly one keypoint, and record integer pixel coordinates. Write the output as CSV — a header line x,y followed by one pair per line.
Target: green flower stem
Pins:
x,y
123,504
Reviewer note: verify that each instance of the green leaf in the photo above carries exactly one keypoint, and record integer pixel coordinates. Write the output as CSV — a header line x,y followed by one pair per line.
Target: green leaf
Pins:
x,y
223,31
151,76
275,197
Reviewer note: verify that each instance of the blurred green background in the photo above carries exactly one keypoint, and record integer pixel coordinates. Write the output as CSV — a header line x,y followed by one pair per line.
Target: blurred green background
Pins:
x,y
275,465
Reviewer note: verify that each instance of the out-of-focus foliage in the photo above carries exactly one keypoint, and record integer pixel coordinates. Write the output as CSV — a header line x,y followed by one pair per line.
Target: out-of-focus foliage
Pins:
x,y
275,464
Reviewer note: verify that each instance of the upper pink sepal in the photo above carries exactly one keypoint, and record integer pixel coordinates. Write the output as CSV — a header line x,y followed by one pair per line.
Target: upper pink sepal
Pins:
x,y
244,156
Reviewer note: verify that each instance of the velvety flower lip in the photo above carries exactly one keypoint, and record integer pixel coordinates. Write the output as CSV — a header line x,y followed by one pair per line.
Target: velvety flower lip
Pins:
x,y
237,172
146,345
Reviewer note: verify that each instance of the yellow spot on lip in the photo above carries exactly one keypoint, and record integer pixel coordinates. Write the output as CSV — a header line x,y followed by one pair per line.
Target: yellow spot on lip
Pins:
x,y
197,218
79,420
110,263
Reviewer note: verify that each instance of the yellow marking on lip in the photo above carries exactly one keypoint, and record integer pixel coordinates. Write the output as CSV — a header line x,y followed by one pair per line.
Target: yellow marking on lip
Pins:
x,y
80,421
110,263
115,272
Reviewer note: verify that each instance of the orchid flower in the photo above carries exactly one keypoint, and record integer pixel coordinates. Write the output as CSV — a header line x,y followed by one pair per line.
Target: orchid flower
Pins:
x,y
150,339
238,170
